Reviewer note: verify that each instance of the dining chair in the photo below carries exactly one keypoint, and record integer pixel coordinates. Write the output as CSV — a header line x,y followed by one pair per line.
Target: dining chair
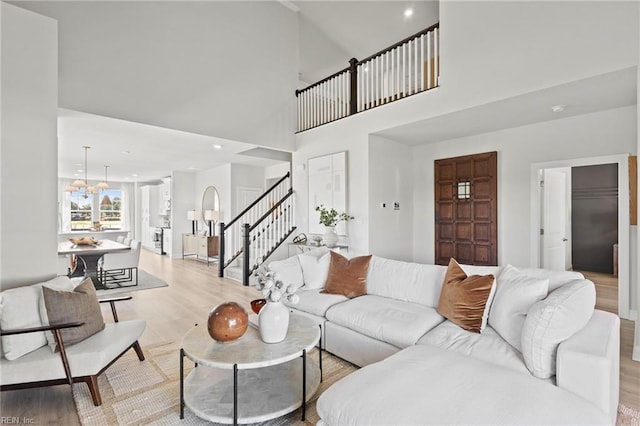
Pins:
x,y
119,268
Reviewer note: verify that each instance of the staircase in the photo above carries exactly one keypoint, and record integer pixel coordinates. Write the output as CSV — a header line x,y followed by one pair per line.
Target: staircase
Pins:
x,y
252,236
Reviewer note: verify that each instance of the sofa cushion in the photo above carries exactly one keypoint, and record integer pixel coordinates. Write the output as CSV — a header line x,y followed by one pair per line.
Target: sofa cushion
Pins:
x,y
79,305
425,384
515,294
85,358
464,299
488,346
347,276
19,309
314,302
288,271
411,282
393,321
556,278
314,269
552,320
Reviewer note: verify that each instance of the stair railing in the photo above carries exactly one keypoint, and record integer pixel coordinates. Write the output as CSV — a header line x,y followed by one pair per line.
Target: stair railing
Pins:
x,y
232,236
408,67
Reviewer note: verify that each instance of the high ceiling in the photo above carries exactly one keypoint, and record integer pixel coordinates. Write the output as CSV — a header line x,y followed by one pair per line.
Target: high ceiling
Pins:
x,y
184,70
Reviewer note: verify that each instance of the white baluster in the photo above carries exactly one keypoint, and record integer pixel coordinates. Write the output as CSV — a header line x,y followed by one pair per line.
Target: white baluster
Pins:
x,y
404,70
436,61
422,85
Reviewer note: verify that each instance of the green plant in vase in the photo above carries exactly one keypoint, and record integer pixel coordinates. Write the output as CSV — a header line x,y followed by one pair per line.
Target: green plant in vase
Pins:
x,y
330,218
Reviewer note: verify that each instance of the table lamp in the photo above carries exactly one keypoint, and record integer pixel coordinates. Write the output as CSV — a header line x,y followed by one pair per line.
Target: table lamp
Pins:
x,y
211,216
192,215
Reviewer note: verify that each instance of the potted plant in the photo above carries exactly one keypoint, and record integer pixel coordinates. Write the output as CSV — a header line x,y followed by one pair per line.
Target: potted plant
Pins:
x,y
330,218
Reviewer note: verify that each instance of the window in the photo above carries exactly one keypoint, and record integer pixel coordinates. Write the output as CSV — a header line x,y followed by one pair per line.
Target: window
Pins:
x,y
111,209
80,212
105,206
464,190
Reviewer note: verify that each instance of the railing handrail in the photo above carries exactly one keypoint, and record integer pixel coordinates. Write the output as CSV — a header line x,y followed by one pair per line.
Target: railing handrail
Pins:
x,y
400,43
271,210
260,198
335,74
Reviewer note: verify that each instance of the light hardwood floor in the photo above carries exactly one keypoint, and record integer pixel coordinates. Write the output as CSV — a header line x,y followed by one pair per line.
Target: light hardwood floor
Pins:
x,y
194,289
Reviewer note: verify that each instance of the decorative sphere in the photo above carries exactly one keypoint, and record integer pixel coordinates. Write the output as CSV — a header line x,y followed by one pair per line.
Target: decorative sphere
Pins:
x,y
257,304
227,322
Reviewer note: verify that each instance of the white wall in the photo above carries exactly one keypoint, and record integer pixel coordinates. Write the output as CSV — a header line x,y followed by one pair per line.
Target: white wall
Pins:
x,y
244,176
169,64
276,171
28,218
634,250
497,49
343,135
182,199
591,135
390,181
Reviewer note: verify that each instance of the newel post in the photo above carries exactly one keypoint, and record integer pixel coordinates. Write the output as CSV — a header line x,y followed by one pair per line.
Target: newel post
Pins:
x,y
220,249
353,96
246,255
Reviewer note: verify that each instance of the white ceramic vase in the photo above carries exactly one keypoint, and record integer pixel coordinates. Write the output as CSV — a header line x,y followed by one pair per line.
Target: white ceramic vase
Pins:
x,y
330,236
273,322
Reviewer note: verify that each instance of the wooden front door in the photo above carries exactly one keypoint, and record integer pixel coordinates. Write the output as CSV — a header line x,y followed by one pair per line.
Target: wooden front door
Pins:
x,y
466,203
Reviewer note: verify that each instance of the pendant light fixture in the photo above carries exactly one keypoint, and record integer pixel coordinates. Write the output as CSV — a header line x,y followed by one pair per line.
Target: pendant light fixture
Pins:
x,y
104,184
79,184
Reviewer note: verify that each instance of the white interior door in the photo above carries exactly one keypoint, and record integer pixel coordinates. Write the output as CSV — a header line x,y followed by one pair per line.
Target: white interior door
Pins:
x,y
554,238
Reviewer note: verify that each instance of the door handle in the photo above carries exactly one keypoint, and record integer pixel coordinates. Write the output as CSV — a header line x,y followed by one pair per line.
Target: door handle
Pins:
x,y
564,240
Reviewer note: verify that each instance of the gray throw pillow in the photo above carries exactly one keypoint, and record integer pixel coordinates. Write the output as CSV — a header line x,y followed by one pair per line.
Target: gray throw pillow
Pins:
x,y
79,305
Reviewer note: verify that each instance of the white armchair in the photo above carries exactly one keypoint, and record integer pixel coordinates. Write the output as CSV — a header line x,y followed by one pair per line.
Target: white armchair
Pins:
x,y
118,268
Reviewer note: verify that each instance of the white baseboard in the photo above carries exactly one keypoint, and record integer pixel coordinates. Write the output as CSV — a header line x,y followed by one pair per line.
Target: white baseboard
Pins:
x,y
636,353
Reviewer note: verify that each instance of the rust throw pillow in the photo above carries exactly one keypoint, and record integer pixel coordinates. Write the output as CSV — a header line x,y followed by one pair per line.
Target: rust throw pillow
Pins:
x,y
463,299
347,277
79,305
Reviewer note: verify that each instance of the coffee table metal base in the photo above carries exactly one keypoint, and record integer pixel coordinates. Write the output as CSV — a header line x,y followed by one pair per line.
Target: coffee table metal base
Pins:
x,y
262,393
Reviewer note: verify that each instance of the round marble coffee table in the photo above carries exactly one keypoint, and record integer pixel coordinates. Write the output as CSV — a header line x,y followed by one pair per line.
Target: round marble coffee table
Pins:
x,y
247,380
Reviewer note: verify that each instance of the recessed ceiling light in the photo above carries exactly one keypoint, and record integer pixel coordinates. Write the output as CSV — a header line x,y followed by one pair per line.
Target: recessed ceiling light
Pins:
x,y
126,152
126,178
79,170
191,168
558,108
408,12
217,146
134,175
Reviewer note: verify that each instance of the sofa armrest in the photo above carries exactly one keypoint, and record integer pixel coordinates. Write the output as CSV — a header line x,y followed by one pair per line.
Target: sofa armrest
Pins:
x,y
112,301
588,363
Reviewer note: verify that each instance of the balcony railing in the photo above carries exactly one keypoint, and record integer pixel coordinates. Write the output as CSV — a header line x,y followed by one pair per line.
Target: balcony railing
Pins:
x,y
408,67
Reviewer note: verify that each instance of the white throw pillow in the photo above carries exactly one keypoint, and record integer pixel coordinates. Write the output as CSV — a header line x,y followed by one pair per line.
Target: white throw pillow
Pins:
x,y
314,270
288,271
515,294
19,309
553,320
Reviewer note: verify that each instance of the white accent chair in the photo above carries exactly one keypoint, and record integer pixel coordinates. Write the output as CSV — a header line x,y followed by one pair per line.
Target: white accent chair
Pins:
x,y
119,268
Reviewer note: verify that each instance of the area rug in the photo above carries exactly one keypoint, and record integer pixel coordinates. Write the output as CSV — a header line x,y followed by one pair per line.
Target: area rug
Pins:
x,y
148,392
145,282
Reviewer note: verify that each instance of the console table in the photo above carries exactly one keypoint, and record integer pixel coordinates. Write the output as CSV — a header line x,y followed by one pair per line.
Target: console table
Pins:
x,y
202,247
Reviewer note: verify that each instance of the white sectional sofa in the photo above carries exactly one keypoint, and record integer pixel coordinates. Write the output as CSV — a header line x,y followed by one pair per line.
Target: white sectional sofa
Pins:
x,y
420,368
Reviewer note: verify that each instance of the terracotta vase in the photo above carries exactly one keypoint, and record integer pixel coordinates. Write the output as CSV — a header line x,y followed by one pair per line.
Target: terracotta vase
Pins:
x,y
257,305
227,322
330,237
273,322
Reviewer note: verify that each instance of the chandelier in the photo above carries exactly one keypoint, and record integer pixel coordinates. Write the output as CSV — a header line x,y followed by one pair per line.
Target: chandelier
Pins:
x,y
83,186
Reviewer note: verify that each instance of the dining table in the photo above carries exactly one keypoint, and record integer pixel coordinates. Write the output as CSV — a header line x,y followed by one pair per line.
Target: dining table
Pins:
x,y
90,255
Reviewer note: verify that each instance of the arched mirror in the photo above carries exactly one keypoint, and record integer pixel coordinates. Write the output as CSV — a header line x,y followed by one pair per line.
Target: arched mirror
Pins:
x,y
210,208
